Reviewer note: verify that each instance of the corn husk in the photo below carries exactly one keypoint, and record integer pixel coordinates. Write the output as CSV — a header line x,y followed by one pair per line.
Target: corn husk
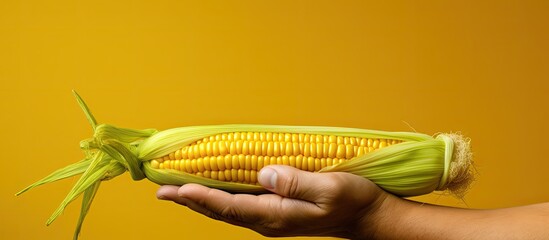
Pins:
x,y
420,164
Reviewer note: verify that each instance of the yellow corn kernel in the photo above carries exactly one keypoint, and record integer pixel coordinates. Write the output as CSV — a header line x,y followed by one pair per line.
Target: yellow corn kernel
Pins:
x,y
239,156
155,163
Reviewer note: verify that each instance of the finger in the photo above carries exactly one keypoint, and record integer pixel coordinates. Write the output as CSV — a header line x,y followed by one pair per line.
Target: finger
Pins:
x,y
260,226
239,207
199,208
258,212
169,192
245,207
293,183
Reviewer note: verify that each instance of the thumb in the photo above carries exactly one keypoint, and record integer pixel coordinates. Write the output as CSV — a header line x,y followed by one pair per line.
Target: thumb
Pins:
x,y
291,182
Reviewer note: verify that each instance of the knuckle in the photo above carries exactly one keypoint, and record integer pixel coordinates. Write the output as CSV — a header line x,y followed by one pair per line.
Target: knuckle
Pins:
x,y
276,227
231,213
291,186
339,187
276,223
335,183
214,215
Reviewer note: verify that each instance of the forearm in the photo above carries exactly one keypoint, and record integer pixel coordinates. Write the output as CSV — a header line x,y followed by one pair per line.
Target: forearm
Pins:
x,y
402,219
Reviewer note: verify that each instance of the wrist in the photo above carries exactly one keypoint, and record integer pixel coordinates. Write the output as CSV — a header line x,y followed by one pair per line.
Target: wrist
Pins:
x,y
378,219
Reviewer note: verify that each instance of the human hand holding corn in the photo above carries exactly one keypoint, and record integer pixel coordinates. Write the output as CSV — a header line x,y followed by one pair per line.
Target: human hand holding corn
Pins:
x,y
303,203
348,206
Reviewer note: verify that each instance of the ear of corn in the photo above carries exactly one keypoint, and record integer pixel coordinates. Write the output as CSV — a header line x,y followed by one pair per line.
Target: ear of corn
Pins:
x,y
229,157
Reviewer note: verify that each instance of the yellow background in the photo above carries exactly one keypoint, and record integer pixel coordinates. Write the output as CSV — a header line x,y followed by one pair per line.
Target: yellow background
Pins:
x,y
478,68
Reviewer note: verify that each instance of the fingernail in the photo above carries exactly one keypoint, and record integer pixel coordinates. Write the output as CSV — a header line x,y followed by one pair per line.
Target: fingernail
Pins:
x,y
267,178
161,197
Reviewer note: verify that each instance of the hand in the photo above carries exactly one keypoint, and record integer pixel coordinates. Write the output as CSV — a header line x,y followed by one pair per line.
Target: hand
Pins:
x,y
349,206
303,203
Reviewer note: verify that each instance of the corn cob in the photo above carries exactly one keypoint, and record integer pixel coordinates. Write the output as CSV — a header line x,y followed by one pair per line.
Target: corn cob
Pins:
x,y
238,156
229,157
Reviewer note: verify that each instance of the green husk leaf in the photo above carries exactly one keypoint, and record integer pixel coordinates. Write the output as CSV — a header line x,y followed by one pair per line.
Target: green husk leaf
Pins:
x,y
68,171
100,165
89,115
404,169
124,156
87,200
125,135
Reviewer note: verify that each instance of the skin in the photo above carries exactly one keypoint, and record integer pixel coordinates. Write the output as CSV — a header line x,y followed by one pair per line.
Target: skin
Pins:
x,y
347,206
